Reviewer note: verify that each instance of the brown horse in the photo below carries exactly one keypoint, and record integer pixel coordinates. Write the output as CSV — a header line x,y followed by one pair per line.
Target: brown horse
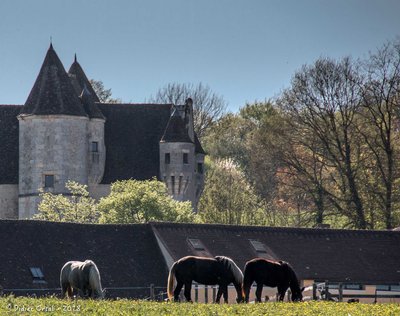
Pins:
x,y
273,274
209,271
82,276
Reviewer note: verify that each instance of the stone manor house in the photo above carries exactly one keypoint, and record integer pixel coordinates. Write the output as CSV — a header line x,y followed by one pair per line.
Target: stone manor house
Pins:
x,y
63,132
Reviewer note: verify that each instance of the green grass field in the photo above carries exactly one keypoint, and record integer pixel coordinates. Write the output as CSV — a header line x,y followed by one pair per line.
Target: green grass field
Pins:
x,y
53,306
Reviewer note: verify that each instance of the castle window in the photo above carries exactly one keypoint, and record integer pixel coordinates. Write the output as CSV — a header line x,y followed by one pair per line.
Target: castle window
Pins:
x,y
49,181
185,158
200,167
167,158
95,147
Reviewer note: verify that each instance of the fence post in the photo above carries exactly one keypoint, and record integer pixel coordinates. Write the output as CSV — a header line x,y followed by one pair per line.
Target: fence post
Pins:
x,y
205,294
196,292
152,296
314,291
340,292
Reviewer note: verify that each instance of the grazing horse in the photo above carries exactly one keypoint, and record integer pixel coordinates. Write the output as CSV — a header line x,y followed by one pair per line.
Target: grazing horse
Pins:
x,y
209,271
83,276
273,274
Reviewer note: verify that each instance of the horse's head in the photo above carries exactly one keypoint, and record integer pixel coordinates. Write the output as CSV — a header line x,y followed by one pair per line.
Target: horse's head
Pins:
x,y
297,296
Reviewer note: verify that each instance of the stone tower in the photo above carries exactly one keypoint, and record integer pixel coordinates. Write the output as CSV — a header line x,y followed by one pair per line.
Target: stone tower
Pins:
x,y
97,151
53,129
181,156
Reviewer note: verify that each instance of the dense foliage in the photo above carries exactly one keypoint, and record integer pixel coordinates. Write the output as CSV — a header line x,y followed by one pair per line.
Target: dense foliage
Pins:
x,y
130,201
133,201
326,150
53,306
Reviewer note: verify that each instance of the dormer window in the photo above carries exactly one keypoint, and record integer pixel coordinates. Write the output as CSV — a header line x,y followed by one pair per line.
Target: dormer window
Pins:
x,y
49,181
258,246
196,244
185,158
37,275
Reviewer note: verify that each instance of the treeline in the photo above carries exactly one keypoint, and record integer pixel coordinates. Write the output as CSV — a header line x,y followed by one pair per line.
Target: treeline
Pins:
x,y
324,152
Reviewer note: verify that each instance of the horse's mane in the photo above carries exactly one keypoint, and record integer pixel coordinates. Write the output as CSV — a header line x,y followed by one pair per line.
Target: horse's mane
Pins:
x,y
94,277
293,280
231,266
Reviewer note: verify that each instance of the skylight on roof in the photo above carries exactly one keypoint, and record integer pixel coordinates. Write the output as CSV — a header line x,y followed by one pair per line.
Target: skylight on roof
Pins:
x,y
196,244
258,246
37,273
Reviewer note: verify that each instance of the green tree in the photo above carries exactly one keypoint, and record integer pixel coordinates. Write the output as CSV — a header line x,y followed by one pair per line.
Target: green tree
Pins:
x,y
77,208
228,198
133,201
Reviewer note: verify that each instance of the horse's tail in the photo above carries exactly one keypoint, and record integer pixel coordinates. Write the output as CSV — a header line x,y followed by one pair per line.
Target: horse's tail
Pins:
x,y
247,281
94,280
64,282
170,285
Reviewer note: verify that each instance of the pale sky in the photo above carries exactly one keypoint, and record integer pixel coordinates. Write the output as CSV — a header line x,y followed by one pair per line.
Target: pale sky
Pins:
x,y
245,50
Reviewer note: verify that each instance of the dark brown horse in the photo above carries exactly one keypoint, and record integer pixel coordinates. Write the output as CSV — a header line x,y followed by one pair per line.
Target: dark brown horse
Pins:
x,y
209,271
273,274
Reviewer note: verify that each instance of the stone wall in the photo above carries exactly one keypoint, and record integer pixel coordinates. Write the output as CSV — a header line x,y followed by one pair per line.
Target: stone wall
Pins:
x,y
50,145
178,176
96,160
8,201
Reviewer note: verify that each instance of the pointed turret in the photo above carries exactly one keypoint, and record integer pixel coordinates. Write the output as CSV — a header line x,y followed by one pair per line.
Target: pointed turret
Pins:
x,y
79,80
89,104
52,92
176,130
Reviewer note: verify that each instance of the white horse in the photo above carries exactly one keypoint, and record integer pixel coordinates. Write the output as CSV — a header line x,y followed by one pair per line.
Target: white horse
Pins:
x,y
82,276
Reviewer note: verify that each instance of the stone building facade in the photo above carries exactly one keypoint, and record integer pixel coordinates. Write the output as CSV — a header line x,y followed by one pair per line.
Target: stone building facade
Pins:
x,y
63,132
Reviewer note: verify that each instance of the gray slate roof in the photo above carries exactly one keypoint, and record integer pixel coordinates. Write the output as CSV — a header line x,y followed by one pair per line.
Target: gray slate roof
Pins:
x,y
79,80
52,92
176,130
126,255
9,144
132,135
371,257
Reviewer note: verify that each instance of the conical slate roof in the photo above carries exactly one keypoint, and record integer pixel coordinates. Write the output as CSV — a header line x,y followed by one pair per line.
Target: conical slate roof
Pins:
x,y
52,92
89,104
79,80
176,130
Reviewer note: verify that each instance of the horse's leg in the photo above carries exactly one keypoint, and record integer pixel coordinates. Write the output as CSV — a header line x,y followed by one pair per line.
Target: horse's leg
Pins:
x,y
222,289
177,290
247,283
259,292
64,289
188,289
225,291
219,294
282,292
70,291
